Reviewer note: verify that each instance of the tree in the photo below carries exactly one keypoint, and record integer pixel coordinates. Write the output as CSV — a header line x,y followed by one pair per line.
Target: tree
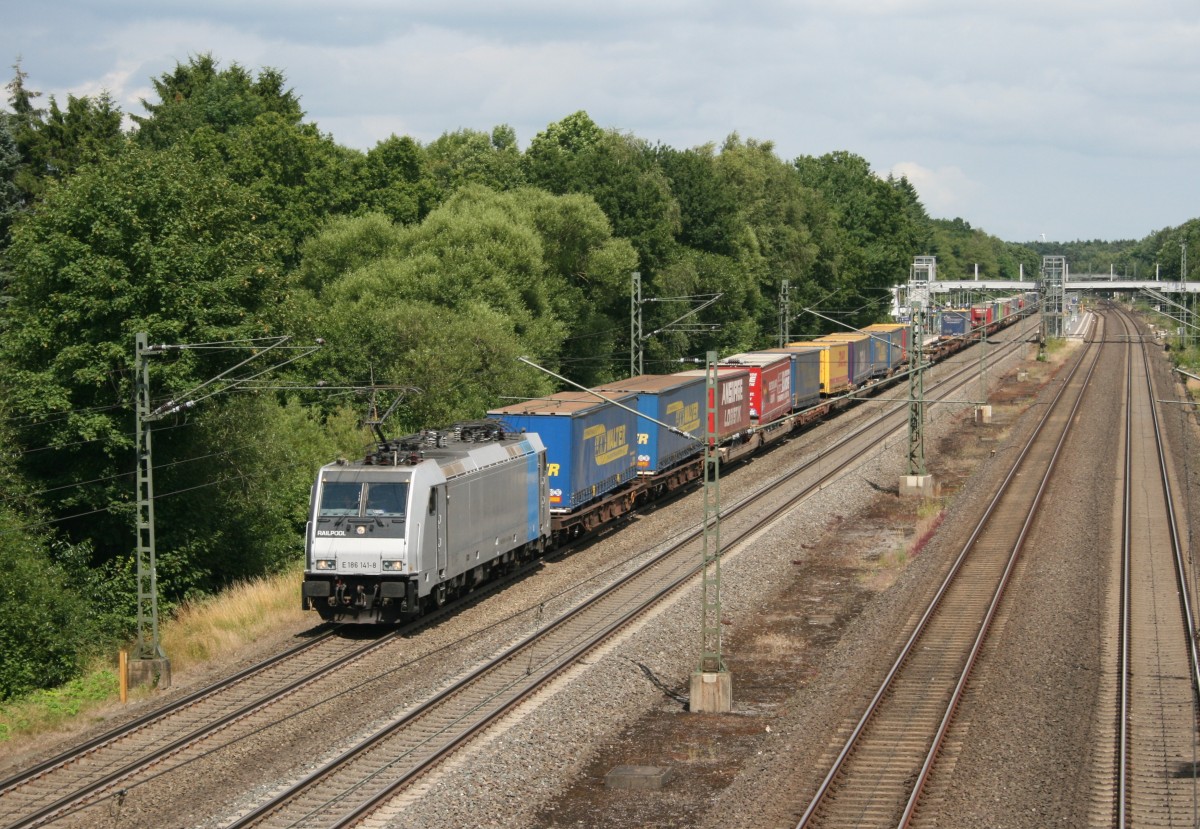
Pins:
x,y
620,172
298,177
255,460
43,629
198,94
11,200
147,241
710,219
51,144
396,182
790,234
45,626
466,157
506,273
875,217
21,99
344,244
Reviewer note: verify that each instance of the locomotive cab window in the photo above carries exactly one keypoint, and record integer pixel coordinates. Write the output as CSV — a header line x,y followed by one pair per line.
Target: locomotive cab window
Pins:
x,y
339,498
387,500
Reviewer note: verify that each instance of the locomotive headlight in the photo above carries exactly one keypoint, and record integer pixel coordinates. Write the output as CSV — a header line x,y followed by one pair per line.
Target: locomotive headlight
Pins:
x,y
326,564
392,565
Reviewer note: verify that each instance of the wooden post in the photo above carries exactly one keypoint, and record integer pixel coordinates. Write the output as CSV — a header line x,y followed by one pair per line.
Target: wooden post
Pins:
x,y
123,670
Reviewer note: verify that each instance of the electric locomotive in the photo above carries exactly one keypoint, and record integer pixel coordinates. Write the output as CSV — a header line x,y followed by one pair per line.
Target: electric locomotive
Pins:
x,y
423,518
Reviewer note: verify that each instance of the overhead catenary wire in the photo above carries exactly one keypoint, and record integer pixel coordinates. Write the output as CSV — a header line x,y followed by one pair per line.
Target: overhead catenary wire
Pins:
x,y
119,505
188,399
33,421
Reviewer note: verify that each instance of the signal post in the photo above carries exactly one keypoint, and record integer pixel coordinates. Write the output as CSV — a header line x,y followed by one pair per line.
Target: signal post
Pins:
x,y
712,684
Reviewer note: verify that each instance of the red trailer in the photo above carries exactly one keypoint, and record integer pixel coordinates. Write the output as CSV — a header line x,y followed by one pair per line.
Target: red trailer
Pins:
x,y
733,400
770,383
981,315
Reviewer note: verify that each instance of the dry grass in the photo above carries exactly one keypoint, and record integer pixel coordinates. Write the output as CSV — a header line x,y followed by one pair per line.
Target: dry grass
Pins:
x,y
777,646
894,559
929,517
218,625
199,632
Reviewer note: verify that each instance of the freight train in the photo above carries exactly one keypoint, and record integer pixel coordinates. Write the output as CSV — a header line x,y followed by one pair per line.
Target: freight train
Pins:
x,y
426,517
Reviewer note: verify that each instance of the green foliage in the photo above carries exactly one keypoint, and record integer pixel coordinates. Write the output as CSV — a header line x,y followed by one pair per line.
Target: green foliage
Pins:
x,y
345,244
239,510
571,136
396,182
252,127
508,274
960,248
693,274
879,233
455,364
11,199
149,241
297,177
469,157
88,130
1159,254
619,172
787,235
710,217
52,144
43,628
44,709
199,94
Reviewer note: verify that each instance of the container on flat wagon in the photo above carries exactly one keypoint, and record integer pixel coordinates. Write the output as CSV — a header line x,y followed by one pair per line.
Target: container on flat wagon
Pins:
x,y
981,315
733,399
858,356
892,342
770,383
956,322
835,364
806,373
670,399
589,442
862,354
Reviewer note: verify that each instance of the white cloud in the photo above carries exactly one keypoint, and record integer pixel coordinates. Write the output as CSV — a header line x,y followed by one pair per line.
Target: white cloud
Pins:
x,y
944,191
1090,100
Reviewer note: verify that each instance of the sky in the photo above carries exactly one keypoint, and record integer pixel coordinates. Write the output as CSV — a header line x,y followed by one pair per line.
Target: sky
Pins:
x,y
1062,119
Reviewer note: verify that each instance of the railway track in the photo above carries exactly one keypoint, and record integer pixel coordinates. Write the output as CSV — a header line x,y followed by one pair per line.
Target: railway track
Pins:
x,y
878,774
40,793
1159,673
114,765
176,733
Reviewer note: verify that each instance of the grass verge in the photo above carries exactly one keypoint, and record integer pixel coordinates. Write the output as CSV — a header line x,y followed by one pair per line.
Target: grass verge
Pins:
x,y
198,633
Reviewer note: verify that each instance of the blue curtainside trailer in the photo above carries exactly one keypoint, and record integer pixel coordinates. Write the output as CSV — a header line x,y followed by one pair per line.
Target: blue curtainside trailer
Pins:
x,y
589,441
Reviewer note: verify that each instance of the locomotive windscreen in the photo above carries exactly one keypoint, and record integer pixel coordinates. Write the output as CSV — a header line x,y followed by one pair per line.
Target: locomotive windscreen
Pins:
x,y
341,498
386,499
354,498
